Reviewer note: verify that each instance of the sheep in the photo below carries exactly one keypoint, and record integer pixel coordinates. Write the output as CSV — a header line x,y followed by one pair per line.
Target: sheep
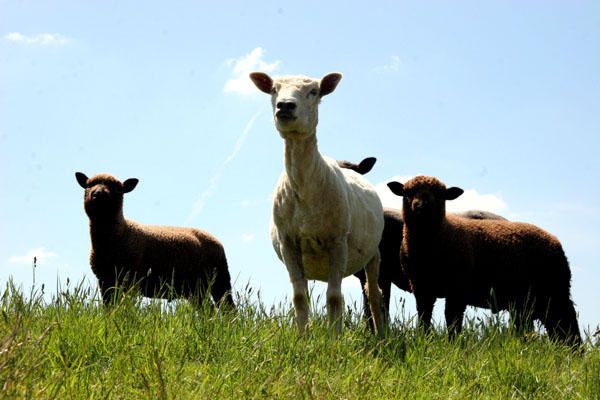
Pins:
x,y
390,270
389,248
391,241
327,221
126,254
495,264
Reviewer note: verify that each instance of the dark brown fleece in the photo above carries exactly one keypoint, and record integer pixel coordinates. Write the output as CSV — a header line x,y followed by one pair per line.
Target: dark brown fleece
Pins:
x,y
390,270
391,240
485,263
160,261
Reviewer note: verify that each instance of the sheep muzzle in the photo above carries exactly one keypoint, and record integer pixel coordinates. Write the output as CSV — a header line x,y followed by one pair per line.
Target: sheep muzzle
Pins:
x,y
419,206
285,112
99,194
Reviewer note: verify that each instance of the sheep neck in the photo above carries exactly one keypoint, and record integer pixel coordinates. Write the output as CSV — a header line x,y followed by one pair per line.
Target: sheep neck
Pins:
x,y
423,235
302,164
106,230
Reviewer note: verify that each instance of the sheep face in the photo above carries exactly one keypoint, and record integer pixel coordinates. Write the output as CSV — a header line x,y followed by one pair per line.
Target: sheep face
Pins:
x,y
295,101
424,199
103,198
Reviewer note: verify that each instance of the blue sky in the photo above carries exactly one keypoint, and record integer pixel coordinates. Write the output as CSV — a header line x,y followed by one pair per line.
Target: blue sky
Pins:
x,y
501,99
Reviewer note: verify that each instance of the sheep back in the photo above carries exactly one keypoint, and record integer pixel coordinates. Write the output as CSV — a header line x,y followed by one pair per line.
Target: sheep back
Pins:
x,y
475,256
156,257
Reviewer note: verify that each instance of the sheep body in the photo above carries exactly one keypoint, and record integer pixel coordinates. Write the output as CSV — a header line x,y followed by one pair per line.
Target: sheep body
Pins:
x,y
390,270
494,264
159,261
345,202
327,221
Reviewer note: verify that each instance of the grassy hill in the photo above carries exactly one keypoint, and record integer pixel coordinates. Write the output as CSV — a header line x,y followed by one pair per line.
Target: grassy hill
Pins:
x,y
72,347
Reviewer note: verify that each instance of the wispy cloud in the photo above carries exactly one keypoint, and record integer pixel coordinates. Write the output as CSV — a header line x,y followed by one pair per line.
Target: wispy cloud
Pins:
x,y
469,200
393,65
241,67
247,237
214,182
41,254
42,39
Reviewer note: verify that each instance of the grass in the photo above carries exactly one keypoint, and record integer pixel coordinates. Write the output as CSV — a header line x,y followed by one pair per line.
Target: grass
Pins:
x,y
72,347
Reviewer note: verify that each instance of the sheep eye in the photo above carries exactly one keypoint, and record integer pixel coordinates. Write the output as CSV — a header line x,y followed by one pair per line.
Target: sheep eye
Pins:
x,y
313,92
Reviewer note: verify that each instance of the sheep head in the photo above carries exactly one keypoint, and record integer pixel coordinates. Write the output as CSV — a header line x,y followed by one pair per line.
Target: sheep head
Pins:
x,y
295,101
103,197
424,200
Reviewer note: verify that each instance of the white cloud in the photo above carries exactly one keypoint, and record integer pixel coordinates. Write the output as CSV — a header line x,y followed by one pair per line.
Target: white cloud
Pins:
x,y
393,65
240,82
469,200
389,199
247,237
43,39
41,255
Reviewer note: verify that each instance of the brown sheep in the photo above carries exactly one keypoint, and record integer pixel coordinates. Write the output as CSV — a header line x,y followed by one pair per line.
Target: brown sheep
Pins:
x,y
389,248
158,261
494,264
391,240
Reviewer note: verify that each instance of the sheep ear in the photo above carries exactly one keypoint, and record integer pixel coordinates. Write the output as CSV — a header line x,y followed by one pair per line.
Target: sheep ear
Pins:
x,y
329,82
366,165
262,81
453,192
81,179
130,184
397,188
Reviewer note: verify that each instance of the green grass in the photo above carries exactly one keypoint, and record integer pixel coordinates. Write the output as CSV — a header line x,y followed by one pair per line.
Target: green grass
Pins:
x,y
72,347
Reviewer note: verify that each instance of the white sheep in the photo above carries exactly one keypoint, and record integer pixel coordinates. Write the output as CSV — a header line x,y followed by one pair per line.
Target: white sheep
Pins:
x,y
327,221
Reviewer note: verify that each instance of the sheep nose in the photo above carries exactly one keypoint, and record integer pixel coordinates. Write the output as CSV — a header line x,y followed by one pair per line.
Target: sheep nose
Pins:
x,y
97,193
419,204
286,105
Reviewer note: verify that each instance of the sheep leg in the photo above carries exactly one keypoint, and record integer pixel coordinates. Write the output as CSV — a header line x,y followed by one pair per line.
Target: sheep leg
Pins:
x,y
361,275
338,259
425,304
220,289
521,321
108,294
108,289
561,322
385,284
374,293
521,318
300,300
292,260
521,312
454,312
